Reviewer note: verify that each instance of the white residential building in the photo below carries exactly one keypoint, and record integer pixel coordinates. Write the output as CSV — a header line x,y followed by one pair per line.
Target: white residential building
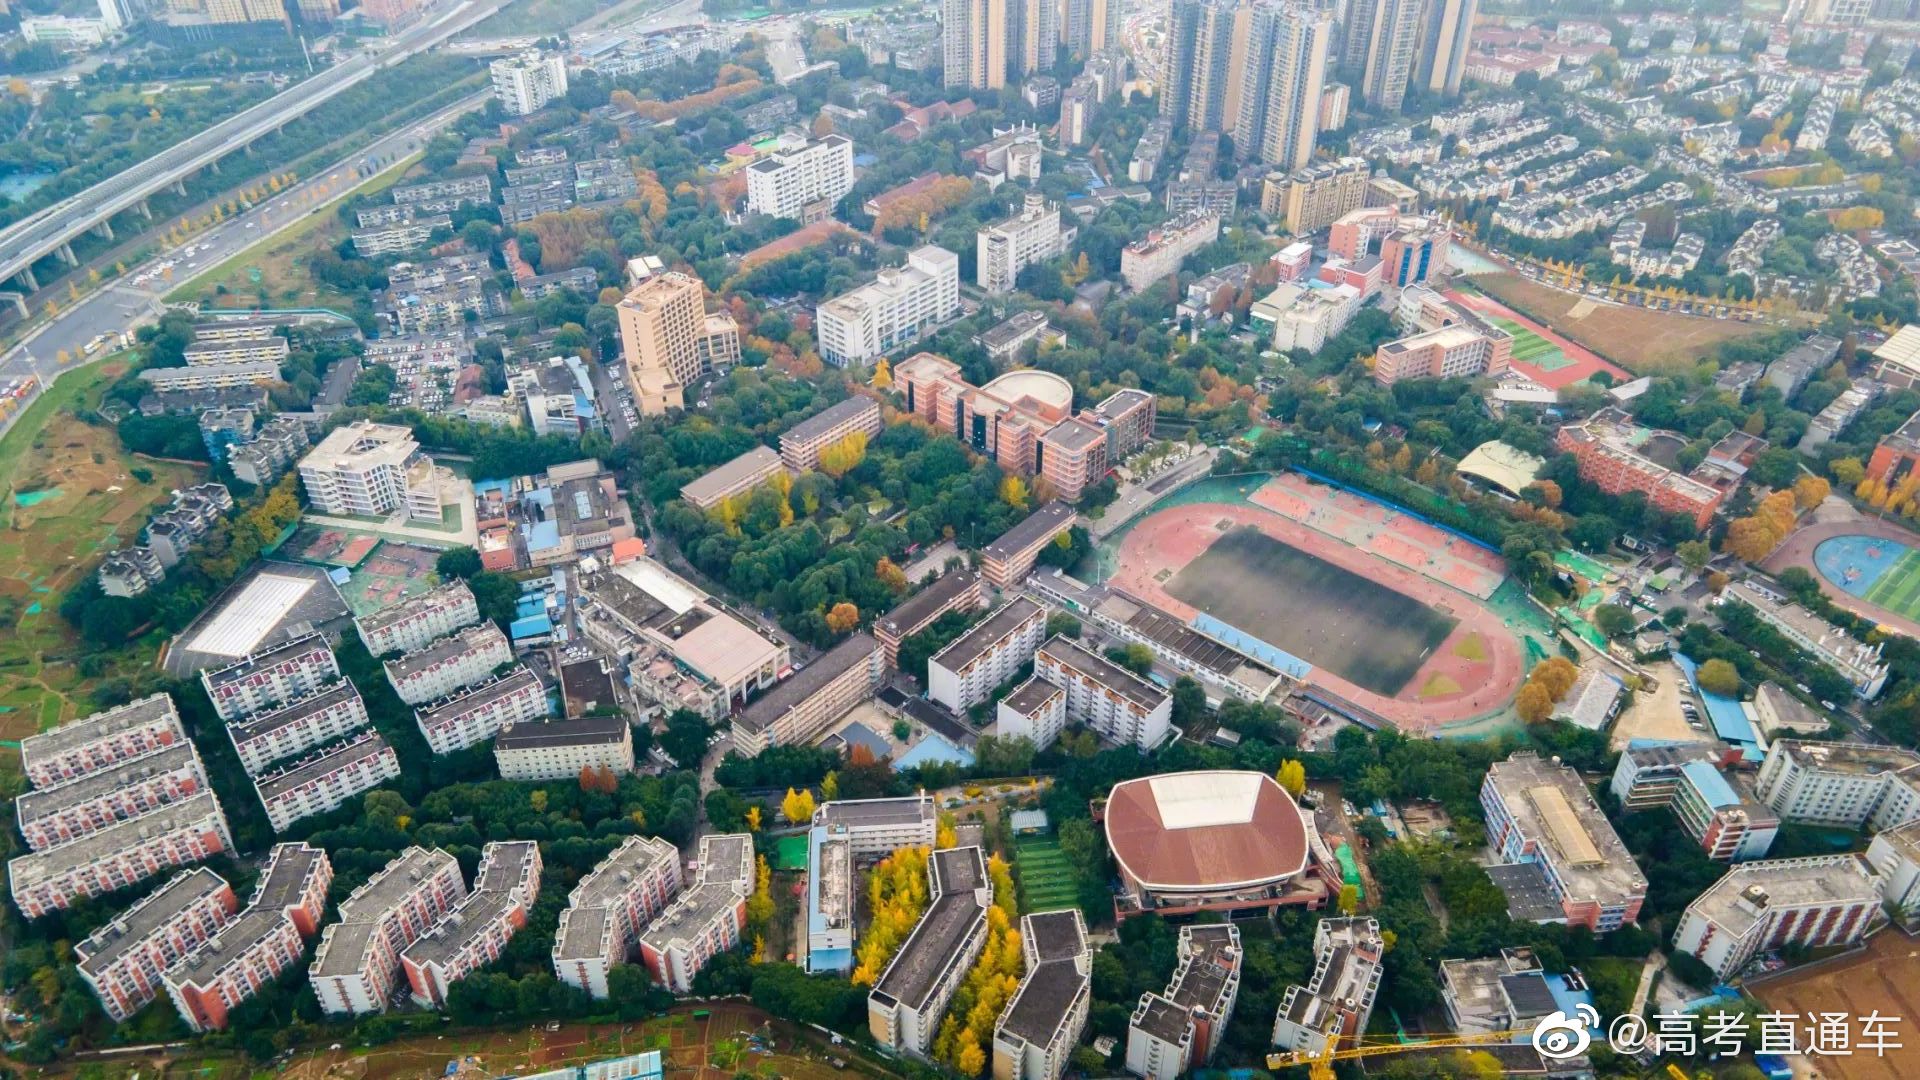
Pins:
x,y
609,908
1031,235
897,307
63,813
271,677
366,469
101,741
477,713
707,919
460,659
327,779
417,620
877,827
801,179
1895,856
1036,710
1164,248
1044,1019
1858,662
904,1009
964,673
1852,785
125,961
527,82
1178,1030
477,930
1112,701
267,938
119,855
1818,902
1337,1001
323,716
559,749
357,966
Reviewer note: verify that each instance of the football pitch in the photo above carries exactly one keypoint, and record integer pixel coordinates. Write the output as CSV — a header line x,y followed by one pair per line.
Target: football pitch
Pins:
x,y
1898,590
1530,348
1046,879
1324,614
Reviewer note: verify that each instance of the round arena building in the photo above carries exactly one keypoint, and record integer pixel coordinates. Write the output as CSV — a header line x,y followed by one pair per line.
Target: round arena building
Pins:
x,y
1210,840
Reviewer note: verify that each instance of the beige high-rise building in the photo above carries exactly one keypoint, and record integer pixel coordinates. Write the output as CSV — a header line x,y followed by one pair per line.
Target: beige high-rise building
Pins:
x,y
1444,42
669,340
974,43
1393,41
239,11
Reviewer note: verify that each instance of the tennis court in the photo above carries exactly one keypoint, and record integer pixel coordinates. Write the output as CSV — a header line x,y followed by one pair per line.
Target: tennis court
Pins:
x,y
1046,878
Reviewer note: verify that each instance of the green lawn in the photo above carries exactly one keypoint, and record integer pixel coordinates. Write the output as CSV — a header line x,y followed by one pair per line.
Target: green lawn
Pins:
x,y
1046,878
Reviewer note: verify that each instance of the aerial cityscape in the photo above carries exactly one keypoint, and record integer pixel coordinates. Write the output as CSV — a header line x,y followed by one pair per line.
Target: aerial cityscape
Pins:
x,y
739,540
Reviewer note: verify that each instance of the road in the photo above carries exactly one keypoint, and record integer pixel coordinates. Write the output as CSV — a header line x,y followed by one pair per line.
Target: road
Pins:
x,y
35,237
124,305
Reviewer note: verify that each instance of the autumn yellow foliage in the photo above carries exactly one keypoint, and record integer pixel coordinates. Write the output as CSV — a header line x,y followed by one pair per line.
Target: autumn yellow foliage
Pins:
x,y
723,92
839,458
897,894
966,1032
913,210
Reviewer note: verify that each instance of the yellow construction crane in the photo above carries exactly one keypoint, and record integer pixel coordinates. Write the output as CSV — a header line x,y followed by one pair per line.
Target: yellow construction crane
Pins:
x,y
1320,1065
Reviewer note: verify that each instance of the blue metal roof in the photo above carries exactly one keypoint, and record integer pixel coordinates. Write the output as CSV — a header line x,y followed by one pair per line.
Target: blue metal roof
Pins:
x,y
531,626
1712,786
1728,718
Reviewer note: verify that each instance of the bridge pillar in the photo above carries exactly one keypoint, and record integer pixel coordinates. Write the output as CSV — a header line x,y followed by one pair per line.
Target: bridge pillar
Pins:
x,y
18,300
104,229
25,277
180,188
145,211
214,166
67,256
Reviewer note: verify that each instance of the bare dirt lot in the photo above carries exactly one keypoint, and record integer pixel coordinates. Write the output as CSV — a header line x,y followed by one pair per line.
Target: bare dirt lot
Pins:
x,y
1885,977
1655,714
1640,340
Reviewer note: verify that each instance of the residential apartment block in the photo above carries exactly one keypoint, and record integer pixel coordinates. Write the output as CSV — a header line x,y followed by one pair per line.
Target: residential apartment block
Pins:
x,y
101,741
799,710
800,445
1008,559
879,827
1813,903
802,178
559,749
1178,1030
125,962
955,590
1315,196
1856,661
1850,785
1541,816
1337,1001
418,620
1684,777
63,813
610,907
1036,710
1895,855
1165,247
274,676
1110,700
473,934
734,479
669,341
122,854
460,659
904,1009
1043,1021
525,83
1030,235
266,939
707,919
476,713
964,673
1450,352
897,307
327,779
371,470
330,713
357,967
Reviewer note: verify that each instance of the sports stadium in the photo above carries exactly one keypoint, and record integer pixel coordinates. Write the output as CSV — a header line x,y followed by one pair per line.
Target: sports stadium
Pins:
x,y
1214,840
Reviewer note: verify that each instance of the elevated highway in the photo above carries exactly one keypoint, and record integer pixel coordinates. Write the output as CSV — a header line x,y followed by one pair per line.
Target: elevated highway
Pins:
x,y
50,230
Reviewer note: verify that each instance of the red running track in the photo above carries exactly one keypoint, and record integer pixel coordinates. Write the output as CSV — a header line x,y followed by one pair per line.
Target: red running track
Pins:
x,y
1161,544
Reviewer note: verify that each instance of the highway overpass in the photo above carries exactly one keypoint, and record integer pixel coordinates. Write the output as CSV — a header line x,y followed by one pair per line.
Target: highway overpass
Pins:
x,y
50,230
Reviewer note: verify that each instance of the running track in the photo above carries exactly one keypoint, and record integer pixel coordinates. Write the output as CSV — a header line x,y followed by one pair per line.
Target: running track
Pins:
x,y
1162,543
1798,551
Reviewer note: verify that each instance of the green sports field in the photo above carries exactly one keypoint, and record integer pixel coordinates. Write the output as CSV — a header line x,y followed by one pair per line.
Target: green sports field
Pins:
x,y
1046,879
1898,590
1530,348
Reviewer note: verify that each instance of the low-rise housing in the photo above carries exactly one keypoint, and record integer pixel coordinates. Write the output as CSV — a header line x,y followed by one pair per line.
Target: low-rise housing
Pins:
x,y
274,676
475,714
125,962
416,621
65,812
251,951
277,734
